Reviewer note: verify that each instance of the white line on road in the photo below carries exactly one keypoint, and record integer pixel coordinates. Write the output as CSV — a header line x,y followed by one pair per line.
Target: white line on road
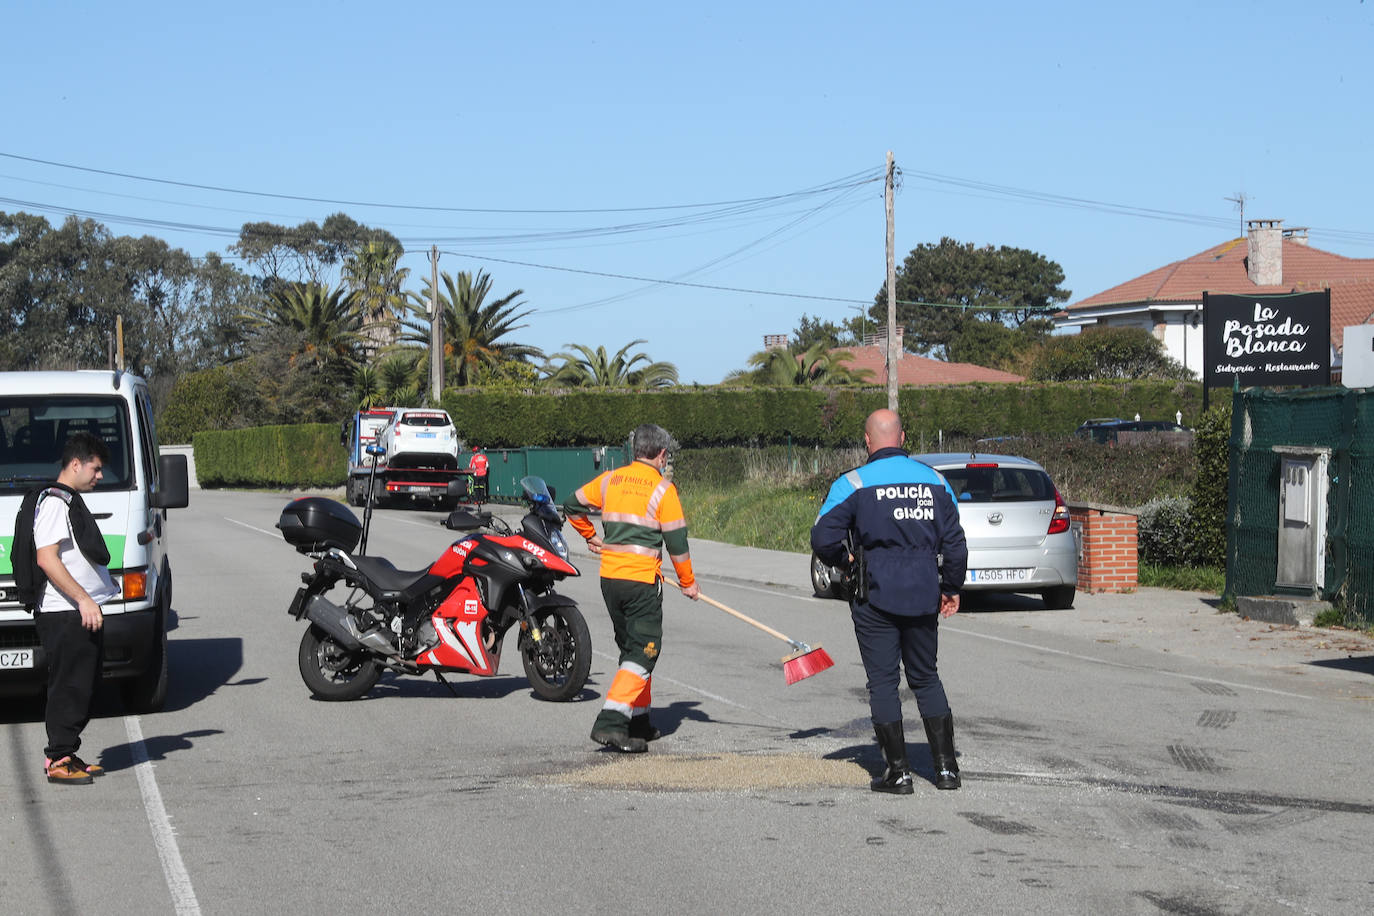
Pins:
x,y
1085,658
250,527
178,881
1142,668
706,693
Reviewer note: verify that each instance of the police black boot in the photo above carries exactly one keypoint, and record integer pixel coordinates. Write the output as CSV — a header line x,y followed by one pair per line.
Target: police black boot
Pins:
x,y
892,740
940,734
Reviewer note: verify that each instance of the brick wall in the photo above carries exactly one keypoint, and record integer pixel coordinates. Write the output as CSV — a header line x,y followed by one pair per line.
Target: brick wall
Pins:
x,y
1107,557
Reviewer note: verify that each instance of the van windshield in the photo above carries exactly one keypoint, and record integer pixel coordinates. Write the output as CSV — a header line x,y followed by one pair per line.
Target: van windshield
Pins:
x,y
33,429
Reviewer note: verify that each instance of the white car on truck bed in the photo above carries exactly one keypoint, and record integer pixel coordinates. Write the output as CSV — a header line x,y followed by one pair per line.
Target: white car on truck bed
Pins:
x,y
420,456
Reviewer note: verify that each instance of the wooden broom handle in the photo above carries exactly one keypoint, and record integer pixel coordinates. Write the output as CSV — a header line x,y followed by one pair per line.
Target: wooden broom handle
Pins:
x,y
745,617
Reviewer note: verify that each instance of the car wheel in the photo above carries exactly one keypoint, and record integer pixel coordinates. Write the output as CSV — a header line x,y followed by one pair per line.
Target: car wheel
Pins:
x,y
1059,598
824,581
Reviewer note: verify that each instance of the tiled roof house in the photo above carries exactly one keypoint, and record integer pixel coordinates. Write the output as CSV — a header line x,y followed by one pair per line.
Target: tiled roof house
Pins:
x,y
911,369
921,370
1168,301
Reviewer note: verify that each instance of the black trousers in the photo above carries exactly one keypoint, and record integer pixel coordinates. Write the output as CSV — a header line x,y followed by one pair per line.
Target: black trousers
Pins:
x,y
888,642
74,655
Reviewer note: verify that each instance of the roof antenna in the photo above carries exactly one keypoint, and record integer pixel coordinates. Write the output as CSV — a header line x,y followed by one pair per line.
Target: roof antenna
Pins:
x,y
1239,200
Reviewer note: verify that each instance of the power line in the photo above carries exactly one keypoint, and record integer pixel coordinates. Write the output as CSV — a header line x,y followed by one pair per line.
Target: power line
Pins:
x,y
727,289
858,177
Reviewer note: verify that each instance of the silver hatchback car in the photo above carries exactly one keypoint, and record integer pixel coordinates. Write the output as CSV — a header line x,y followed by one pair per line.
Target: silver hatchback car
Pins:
x,y
1016,524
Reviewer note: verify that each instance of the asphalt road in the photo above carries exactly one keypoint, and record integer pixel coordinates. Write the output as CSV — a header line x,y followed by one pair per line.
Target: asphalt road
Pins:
x,y
1138,754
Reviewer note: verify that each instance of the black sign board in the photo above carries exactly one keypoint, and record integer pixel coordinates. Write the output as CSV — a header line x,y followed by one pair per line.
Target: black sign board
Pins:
x,y
1267,340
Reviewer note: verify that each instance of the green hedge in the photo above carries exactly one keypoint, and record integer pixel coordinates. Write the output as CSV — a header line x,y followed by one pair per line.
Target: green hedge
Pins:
x,y
699,417
308,455
1212,446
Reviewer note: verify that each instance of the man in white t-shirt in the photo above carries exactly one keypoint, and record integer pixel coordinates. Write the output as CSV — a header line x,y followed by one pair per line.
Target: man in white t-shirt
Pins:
x,y
69,619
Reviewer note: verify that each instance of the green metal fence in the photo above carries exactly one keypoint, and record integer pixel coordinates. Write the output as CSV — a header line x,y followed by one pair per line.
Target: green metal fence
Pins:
x,y
563,469
1338,419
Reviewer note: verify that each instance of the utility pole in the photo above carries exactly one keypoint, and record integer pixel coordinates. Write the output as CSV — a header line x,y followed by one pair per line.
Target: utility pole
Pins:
x,y
893,348
436,330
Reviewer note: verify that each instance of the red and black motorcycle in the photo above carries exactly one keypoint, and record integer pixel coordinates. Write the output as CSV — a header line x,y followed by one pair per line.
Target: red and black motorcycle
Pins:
x,y
452,616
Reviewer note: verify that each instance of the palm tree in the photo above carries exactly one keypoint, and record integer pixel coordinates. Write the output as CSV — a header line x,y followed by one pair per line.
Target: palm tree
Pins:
x,y
816,366
395,381
588,368
372,274
473,328
321,328
400,377
365,388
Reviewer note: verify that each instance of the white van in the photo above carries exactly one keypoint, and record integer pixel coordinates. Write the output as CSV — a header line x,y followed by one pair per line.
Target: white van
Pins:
x,y
38,411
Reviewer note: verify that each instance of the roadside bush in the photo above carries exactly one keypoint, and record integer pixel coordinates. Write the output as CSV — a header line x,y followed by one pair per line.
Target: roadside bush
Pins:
x,y
1211,444
218,398
713,417
305,455
1164,533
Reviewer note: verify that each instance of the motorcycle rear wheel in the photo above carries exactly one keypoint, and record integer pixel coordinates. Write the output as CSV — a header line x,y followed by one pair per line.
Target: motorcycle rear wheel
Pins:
x,y
333,672
558,664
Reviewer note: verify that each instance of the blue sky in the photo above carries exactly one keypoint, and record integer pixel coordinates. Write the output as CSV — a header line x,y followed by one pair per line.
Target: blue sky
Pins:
x,y
1106,137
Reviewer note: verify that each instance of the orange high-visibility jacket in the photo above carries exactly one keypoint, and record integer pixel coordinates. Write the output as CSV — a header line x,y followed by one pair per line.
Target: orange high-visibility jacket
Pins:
x,y
641,515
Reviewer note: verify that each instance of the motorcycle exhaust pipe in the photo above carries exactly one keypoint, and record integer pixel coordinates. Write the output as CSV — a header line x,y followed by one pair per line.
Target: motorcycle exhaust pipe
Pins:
x,y
336,621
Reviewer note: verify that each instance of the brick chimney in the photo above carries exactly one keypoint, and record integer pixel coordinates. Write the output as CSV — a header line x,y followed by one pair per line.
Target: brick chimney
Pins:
x,y
1265,260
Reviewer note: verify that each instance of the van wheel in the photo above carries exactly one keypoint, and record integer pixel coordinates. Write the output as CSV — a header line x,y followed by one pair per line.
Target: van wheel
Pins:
x,y
147,692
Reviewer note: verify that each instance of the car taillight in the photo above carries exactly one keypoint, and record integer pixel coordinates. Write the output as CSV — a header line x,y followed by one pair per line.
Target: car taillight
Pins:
x,y
1059,521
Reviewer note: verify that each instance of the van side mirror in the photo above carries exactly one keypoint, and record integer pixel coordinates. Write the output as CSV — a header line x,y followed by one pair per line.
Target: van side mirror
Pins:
x,y
173,489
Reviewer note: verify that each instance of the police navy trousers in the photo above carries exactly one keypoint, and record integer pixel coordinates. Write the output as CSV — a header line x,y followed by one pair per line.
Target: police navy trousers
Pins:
x,y
888,642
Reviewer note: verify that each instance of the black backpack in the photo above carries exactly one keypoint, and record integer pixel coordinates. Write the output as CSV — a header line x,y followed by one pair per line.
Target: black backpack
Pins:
x,y
29,578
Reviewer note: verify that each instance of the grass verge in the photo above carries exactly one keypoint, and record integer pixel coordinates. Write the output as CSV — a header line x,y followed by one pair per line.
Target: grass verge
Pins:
x,y
1185,578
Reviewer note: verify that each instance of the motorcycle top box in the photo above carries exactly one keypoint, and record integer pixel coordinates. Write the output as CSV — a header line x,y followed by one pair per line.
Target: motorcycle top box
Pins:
x,y
313,523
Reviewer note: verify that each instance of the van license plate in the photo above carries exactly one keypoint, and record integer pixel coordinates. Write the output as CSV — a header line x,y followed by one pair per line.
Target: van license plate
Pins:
x,y
998,575
15,658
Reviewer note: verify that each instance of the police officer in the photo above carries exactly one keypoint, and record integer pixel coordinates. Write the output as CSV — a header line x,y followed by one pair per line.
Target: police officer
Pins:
x,y
900,514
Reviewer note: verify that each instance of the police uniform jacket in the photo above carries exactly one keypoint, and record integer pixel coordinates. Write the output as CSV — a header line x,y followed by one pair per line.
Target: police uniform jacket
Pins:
x,y
903,515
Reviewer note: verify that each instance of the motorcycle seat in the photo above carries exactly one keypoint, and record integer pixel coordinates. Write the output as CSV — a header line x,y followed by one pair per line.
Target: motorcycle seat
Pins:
x,y
395,583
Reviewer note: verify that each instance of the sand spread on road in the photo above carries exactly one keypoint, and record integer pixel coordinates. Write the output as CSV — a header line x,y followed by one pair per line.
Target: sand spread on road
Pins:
x,y
714,772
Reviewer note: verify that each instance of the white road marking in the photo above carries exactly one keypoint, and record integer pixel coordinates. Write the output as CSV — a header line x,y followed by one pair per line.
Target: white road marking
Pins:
x,y
615,659
178,881
271,534
1141,668
1084,658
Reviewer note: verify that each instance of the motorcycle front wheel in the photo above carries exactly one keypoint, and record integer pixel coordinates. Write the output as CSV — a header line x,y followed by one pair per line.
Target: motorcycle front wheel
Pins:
x,y
333,672
557,663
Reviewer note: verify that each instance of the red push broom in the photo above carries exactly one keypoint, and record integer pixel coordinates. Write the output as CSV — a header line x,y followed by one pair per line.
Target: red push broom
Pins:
x,y
803,662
